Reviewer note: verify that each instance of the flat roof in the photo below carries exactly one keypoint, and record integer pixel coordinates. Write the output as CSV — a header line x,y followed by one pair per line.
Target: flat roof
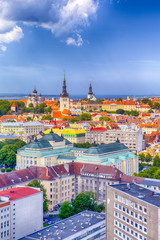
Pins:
x,y
70,226
19,192
139,192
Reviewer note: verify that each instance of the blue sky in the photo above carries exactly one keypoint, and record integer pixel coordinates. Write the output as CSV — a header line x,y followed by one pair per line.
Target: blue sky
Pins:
x,y
113,44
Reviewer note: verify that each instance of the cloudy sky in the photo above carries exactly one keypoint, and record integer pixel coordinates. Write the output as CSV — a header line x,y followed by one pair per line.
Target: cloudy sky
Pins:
x,y
115,44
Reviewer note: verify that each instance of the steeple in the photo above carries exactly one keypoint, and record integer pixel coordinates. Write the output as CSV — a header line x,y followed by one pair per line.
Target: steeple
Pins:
x,y
64,91
90,89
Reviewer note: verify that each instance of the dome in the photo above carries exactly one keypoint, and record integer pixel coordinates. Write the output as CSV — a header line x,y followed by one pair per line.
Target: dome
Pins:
x,y
35,91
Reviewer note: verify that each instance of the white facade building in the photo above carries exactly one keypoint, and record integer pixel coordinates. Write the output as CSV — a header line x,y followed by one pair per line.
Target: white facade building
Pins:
x,y
28,128
21,211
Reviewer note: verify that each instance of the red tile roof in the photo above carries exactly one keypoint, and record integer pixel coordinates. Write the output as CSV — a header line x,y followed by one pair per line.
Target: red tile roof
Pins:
x,y
19,192
99,129
131,179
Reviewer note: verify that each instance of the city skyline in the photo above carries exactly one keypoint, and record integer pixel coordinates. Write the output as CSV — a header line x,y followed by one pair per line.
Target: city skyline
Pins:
x,y
113,44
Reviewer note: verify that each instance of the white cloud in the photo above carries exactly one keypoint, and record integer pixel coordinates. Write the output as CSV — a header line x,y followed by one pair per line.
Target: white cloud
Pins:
x,y
62,17
3,48
76,42
14,35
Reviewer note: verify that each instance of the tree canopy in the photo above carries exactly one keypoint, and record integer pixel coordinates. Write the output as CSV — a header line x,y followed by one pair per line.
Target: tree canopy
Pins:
x,y
83,201
37,183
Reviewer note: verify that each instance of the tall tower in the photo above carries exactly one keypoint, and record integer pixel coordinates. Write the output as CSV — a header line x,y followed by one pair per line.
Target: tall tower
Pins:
x,y
90,93
64,97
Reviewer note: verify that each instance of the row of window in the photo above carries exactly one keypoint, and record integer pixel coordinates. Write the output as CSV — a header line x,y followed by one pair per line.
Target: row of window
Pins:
x,y
131,222
131,213
126,237
131,203
4,234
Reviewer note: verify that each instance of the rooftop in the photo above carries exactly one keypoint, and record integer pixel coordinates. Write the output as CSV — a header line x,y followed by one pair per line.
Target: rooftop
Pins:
x,y
17,124
70,227
19,192
139,192
106,148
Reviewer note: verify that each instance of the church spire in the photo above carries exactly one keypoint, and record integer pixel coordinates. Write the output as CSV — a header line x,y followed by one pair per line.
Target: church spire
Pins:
x,y
64,91
90,89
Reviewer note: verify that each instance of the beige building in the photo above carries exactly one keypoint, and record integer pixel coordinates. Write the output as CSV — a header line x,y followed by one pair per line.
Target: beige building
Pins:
x,y
132,212
43,152
133,139
23,128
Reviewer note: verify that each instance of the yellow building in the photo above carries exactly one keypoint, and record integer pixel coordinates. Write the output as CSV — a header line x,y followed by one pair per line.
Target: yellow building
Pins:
x,y
28,128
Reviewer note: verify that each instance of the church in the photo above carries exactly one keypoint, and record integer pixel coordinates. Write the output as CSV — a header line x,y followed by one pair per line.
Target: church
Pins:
x,y
91,96
35,99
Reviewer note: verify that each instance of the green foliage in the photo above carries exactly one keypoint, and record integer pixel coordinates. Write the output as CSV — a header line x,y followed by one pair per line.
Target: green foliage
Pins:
x,y
107,119
85,117
47,117
90,110
40,108
66,210
148,173
83,201
8,149
148,157
156,161
5,107
37,183
25,110
145,100
155,105
142,165
31,105
142,157
64,119
2,170
83,145
120,111
8,170
119,99
29,119
48,110
134,113
74,119
150,111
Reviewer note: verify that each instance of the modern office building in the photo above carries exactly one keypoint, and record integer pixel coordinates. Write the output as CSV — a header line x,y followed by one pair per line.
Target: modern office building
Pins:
x,y
132,212
86,225
21,212
133,139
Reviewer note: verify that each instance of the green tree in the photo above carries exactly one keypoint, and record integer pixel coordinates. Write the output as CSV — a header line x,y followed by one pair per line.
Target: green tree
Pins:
x,y
37,183
155,105
66,210
74,119
29,119
85,117
85,201
142,157
156,161
150,111
11,158
145,100
8,169
119,99
148,157
120,111
31,105
105,119
156,174
47,117
2,170
134,113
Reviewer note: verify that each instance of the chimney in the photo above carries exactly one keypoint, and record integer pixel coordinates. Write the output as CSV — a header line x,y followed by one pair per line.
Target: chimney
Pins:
x,y
47,171
66,166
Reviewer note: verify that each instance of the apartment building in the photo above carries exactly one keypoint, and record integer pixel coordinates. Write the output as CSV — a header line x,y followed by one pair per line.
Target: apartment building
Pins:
x,y
132,212
133,139
28,128
20,207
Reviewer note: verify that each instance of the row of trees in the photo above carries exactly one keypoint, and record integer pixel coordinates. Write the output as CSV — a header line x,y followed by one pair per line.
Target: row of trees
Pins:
x,y
8,150
154,105
83,145
82,117
5,106
83,201
41,108
152,172
133,113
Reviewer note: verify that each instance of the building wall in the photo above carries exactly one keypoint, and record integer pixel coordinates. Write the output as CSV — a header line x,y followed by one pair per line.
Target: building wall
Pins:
x,y
26,215
5,220
64,103
125,214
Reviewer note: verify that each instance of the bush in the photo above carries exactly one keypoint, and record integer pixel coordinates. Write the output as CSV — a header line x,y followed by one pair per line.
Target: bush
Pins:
x,y
8,170
2,169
